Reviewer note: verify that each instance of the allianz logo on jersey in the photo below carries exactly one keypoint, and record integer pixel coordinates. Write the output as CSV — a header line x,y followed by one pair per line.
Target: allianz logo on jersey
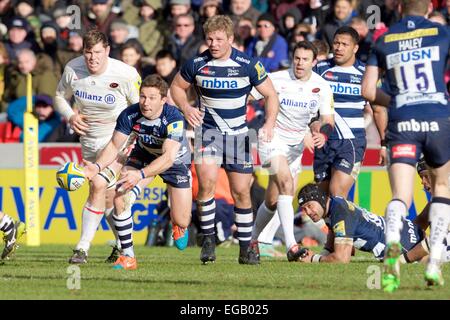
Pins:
x,y
299,104
416,126
219,84
108,98
345,88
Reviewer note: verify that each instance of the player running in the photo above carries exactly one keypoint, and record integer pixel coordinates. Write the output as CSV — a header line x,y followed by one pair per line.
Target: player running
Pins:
x,y
101,88
223,78
302,93
337,165
412,56
161,149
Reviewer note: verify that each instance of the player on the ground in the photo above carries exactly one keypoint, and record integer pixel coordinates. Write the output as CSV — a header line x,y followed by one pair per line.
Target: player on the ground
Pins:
x,y
337,164
412,56
223,78
353,226
161,149
101,88
302,93
12,231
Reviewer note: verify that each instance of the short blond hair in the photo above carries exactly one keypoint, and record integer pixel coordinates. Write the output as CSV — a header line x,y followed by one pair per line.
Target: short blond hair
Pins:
x,y
219,23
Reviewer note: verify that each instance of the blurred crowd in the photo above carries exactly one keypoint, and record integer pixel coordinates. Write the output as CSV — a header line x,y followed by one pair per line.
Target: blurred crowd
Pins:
x,y
157,36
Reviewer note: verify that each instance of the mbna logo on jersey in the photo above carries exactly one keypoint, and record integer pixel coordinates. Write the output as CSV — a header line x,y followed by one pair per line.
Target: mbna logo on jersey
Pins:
x,y
110,99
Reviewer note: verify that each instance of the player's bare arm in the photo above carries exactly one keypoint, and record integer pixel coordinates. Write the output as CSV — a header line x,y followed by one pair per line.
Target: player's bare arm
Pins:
x,y
369,87
342,253
132,176
272,107
107,156
178,91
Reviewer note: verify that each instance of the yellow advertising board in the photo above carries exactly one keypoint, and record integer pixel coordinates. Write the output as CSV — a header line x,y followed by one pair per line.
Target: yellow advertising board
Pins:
x,y
60,211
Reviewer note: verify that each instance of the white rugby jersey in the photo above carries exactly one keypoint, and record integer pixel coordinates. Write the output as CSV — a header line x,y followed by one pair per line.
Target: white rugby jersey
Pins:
x,y
299,102
100,97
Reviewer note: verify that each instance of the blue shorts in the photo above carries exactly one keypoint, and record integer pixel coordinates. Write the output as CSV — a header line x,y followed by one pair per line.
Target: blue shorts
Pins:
x,y
407,139
178,175
344,155
231,152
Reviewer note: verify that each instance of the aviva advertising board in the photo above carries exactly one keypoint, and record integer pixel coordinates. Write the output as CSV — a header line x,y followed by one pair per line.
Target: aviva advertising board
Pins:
x,y
61,210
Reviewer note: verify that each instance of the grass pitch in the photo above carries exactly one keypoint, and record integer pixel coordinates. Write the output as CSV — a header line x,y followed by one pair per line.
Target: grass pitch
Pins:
x,y
166,273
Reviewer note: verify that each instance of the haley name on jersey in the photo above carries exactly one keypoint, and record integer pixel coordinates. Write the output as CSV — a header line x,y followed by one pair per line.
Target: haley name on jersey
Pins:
x,y
299,102
345,83
100,97
414,53
151,134
365,230
223,87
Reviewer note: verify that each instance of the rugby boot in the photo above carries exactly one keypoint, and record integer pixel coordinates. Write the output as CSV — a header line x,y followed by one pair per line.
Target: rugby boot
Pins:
x,y
391,269
208,249
10,240
295,253
79,257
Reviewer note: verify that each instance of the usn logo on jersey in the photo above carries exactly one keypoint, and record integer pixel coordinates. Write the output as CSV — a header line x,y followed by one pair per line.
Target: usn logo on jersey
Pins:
x,y
109,98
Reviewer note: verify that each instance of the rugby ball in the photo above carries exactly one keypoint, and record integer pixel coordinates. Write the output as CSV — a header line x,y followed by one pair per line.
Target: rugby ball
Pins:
x,y
70,176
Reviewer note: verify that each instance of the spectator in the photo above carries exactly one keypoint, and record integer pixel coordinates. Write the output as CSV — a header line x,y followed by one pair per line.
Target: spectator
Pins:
x,y
74,49
131,52
118,34
209,8
243,9
18,29
63,20
51,46
25,9
4,62
270,48
301,32
323,50
183,7
288,22
44,80
100,15
166,66
390,13
6,10
183,44
48,118
342,15
365,38
446,11
246,30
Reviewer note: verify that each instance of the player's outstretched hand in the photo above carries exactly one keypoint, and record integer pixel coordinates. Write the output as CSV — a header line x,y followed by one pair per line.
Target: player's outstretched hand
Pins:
x,y
128,180
319,139
193,116
78,124
90,169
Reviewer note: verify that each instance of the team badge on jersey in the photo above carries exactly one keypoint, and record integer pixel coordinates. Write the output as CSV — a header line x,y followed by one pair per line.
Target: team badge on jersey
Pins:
x,y
175,129
113,85
260,70
339,229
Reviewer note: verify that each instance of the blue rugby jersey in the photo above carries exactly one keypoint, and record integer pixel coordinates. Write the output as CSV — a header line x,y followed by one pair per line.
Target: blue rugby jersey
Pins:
x,y
345,82
414,54
365,229
223,87
151,134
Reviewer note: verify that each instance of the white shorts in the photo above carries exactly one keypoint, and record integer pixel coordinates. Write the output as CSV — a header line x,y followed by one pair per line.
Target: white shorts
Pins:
x,y
91,147
293,153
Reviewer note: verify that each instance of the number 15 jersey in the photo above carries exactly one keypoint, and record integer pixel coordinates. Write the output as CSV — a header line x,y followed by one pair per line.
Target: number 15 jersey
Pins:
x,y
414,55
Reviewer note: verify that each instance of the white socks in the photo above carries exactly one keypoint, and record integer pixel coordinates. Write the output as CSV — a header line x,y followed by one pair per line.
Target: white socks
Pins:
x,y
263,216
286,213
91,219
440,220
395,210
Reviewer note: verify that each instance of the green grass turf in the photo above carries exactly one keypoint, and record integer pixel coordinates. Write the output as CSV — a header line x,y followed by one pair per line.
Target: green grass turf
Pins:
x,y
166,273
